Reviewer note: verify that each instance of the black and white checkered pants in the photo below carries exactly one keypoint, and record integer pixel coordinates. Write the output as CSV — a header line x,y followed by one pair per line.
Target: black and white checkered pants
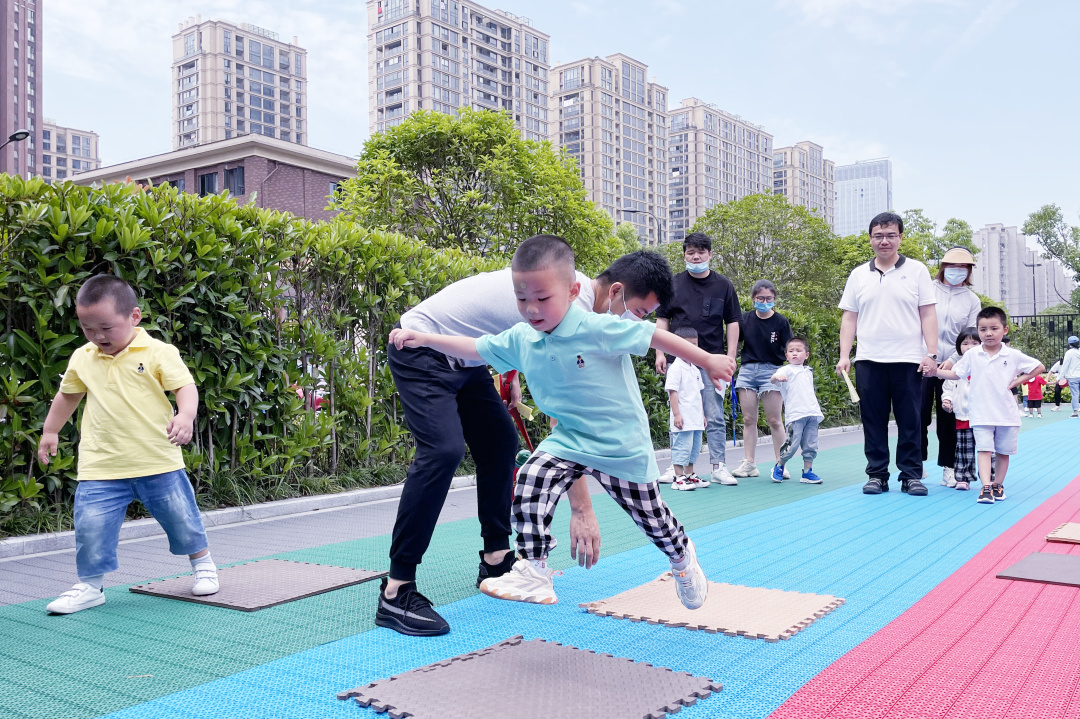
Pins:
x,y
545,478
967,467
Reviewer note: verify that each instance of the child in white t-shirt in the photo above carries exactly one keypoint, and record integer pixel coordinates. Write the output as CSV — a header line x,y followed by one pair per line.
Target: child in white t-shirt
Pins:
x,y
956,398
801,410
687,420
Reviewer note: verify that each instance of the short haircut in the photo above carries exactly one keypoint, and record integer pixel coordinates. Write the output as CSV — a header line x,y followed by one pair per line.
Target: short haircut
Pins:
x,y
642,272
687,333
541,252
763,285
887,218
698,240
967,333
101,287
803,340
987,313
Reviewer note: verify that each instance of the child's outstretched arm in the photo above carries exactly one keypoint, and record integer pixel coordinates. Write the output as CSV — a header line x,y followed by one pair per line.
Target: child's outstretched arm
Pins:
x,y
718,367
63,406
463,347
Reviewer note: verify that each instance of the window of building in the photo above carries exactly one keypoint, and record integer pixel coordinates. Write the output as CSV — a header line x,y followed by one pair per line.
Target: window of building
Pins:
x,y
46,159
227,47
61,174
61,162
208,184
234,180
299,138
46,171
296,64
286,136
177,183
283,60
189,44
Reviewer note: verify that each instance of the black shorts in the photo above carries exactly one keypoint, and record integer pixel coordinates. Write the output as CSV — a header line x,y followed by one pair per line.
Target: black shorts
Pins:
x,y
1035,403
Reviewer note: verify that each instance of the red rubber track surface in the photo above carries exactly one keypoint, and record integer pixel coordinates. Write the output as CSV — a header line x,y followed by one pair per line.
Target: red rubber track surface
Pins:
x,y
976,647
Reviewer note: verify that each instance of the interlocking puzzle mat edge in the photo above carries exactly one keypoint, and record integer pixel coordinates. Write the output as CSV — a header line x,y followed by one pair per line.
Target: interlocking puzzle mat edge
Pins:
x,y
1069,532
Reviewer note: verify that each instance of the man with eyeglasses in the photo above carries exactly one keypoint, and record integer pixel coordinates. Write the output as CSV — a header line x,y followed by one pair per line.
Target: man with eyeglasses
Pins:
x,y
888,306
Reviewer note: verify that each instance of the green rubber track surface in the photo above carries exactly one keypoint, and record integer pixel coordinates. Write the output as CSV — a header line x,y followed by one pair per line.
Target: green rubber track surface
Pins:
x,y
136,648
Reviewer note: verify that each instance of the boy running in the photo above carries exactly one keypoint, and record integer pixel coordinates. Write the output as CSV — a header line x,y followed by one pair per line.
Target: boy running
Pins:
x,y
801,410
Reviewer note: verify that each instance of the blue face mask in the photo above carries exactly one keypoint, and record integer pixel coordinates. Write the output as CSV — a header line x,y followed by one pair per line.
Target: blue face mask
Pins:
x,y
955,275
697,267
764,306
627,314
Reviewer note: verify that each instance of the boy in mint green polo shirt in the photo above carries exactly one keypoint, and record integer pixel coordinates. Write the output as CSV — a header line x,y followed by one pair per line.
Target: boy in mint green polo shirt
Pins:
x,y
579,372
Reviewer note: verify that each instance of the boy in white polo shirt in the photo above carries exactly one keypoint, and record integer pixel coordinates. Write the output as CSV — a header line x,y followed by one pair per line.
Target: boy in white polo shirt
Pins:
x,y
579,371
129,443
994,369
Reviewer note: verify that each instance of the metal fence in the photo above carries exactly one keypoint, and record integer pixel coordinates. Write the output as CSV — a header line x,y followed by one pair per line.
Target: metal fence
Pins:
x,y
1057,329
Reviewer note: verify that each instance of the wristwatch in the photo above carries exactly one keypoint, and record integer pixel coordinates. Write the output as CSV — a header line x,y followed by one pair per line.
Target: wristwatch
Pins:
x,y
932,356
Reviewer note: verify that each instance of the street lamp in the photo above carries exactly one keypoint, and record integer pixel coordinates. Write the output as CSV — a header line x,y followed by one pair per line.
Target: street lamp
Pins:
x,y
650,214
1034,294
17,136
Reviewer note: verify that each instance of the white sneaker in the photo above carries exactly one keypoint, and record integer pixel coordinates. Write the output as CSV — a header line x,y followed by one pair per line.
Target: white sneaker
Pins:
x,y
81,596
925,474
698,482
690,582
948,477
787,474
524,583
746,468
668,476
206,581
683,484
721,475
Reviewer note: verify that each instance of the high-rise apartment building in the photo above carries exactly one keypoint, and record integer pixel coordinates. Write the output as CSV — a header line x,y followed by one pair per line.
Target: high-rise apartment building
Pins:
x,y
863,190
231,80
1004,272
446,54
714,157
613,122
803,176
20,75
66,151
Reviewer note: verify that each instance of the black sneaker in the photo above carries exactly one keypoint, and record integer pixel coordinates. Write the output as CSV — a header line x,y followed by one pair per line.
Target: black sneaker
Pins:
x,y
495,570
410,612
985,496
998,491
913,487
875,485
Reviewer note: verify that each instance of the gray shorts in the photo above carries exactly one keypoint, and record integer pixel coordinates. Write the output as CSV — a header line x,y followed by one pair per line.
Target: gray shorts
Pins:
x,y
993,438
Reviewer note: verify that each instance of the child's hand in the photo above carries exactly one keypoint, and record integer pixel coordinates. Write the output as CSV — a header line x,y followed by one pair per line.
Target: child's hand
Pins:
x,y
47,446
180,429
403,338
677,419
778,378
946,404
720,368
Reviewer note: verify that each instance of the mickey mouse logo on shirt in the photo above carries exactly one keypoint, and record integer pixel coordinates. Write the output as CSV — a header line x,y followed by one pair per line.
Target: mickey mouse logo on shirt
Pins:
x,y
141,369
580,362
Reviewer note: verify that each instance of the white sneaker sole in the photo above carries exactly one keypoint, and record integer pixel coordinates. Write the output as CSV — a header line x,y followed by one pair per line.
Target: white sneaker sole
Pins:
x,y
512,596
57,608
683,487
204,591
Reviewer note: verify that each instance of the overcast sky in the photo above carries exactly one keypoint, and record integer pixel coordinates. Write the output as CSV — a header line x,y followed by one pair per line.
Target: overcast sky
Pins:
x,y
974,100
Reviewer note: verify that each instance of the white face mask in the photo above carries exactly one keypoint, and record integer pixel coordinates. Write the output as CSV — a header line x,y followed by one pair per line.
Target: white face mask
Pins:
x,y
627,314
955,275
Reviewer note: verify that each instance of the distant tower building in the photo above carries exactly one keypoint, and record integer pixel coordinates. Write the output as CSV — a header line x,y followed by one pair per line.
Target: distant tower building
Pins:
x,y
803,176
715,157
20,73
446,54
613,122
863,190
1004,272
66,151
231,80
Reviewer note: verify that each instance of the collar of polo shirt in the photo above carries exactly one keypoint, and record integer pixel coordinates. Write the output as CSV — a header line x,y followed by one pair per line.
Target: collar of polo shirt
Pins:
x,y
900,260
139,341
569,325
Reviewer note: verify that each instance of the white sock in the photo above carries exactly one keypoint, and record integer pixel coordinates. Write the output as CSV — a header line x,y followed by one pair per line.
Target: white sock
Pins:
x,y
94,582
203,560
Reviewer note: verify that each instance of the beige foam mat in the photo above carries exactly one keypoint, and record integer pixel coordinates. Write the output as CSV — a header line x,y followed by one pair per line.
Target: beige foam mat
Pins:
x,y
752,612
1068,532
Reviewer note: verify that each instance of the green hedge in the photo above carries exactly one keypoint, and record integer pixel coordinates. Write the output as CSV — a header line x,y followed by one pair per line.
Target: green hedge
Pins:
x,y
259,303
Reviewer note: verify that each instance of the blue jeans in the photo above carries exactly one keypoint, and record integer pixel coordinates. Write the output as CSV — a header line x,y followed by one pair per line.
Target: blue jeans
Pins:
x,y
685,446
1074,392
715,430
100,506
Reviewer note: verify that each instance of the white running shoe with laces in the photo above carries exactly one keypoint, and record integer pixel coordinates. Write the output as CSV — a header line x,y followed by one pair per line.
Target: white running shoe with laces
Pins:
x,y
690,582
746,468
526,582
721,475
81,596
683,484
698,482
668,476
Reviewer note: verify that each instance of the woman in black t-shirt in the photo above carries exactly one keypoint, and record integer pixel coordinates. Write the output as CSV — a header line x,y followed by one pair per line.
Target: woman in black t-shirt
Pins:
x,y
764,334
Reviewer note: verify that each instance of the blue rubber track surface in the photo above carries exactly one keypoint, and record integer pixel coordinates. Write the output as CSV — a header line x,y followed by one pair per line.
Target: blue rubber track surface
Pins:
x,y
881,553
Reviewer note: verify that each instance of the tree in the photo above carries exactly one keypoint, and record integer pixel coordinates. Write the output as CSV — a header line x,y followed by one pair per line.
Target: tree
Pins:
x,y
954,233
1059,240
471,182
627,235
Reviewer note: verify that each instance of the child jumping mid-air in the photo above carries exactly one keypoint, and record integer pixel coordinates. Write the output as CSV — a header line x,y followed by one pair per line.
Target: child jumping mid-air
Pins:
x,y
801,410
687,420
995,369
579,372
129,440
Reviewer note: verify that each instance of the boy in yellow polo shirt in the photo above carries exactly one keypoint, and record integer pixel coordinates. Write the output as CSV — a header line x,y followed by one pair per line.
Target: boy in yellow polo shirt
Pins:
x,y
129,440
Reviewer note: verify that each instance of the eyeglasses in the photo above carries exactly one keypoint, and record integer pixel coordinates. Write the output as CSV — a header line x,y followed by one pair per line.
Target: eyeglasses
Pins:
x,y
764,299
890,236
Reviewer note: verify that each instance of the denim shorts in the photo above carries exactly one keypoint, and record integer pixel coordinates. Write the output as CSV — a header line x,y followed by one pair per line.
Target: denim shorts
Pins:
x,y
755,375
685,447
100,507
992,438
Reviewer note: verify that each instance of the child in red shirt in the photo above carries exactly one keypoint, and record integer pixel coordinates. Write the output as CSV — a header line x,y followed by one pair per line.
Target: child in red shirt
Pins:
x,y
1035,395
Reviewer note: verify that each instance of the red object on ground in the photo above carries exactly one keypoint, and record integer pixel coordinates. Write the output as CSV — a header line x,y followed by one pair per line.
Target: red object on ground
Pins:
x,y
976,647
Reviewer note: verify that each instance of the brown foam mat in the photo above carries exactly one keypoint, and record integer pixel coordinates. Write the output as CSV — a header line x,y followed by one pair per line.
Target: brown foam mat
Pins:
x,y
1068,532
261,584
559,681
752,612
1045,567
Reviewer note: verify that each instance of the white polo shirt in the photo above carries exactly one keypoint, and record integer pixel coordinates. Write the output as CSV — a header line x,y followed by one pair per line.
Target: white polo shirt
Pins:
x,y
990,401
800,400
889,328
